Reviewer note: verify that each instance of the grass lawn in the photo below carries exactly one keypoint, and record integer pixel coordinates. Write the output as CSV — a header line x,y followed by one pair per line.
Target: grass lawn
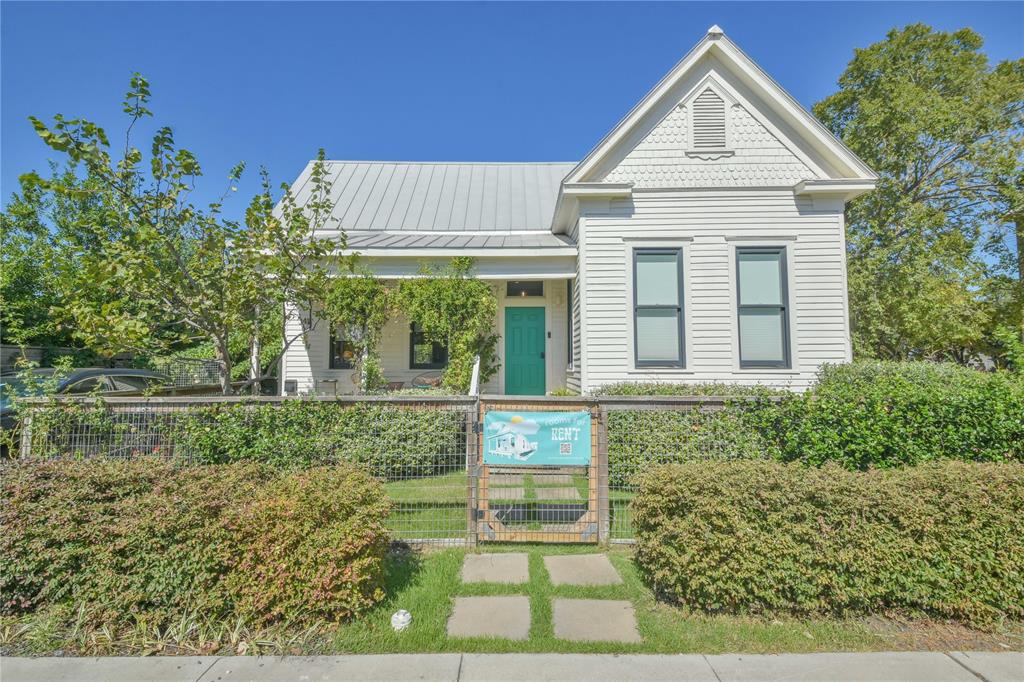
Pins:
x,y
425,583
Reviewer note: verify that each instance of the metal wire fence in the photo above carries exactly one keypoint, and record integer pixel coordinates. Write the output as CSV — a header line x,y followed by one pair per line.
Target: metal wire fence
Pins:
x,y
643,431
424,450
420,449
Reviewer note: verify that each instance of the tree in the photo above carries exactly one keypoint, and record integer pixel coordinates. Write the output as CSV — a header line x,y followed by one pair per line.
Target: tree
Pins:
x,y
454,308
360,303
174,273
944,132
39,238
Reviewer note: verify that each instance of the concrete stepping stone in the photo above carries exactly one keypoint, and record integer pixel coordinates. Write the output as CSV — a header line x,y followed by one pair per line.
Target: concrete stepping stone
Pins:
x,y
557,493
496,568
505,617
506,479
595,620
581,569
506,494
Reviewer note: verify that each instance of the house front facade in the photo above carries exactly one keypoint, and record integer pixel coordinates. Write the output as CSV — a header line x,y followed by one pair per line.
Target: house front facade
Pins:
x,y
702,240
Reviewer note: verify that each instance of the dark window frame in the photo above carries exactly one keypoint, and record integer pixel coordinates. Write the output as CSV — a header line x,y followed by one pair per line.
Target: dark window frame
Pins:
x,y
787,361
435,349
533,288
336,360
678,308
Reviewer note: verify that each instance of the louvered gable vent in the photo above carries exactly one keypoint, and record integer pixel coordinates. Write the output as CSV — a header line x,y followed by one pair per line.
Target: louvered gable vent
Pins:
x,y
708,121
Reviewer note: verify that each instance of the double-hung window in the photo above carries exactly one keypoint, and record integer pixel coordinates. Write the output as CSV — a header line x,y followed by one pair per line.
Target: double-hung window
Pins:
x,y
423,353
658,307
762,308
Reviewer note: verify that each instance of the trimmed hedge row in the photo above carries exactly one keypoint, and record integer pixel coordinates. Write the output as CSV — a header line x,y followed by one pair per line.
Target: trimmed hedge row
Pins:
x,y
945,539
860,416
391,441
147,540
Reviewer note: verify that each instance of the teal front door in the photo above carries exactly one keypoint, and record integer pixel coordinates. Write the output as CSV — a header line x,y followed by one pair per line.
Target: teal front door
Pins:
x,y
524,351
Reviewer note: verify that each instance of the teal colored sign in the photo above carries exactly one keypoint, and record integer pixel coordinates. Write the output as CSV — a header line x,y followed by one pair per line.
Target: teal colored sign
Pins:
x,y
537,438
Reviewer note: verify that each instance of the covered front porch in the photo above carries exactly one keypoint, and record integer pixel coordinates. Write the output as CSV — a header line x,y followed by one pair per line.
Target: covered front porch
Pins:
x,y
534,349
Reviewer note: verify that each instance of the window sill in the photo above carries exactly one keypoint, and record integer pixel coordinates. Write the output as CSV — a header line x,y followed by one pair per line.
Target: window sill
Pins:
x,y
681,371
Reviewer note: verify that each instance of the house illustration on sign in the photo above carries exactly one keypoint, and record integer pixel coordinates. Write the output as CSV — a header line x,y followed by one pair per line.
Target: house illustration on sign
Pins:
x,y
508,442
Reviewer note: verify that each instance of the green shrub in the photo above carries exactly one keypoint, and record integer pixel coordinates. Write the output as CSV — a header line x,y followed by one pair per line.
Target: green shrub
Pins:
x,y
393,441
883,414
945,539
659,388
147,540
638,439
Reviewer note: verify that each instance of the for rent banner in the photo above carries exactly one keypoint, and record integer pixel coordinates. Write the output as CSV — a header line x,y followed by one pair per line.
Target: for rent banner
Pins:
x,y
537,438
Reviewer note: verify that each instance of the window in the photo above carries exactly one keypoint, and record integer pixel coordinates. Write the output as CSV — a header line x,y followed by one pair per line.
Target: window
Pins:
x,y
135,383
761,307
518,289
86,386
568,317
708,121
657,307
424,354
343,352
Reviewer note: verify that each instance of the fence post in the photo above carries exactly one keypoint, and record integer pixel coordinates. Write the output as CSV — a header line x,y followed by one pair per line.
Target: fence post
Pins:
x,y
472,470
603,506
25,445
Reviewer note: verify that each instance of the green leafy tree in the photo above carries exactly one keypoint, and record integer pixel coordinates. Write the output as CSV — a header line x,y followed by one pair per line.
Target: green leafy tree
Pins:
x,y
40,239
455,308
361,303
943,129
174,273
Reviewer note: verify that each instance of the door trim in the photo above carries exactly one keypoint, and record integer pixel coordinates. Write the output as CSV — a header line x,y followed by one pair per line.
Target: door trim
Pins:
x,y
537,303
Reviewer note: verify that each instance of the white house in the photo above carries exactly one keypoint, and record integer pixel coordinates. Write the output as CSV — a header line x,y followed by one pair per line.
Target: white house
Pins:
x,y
701,240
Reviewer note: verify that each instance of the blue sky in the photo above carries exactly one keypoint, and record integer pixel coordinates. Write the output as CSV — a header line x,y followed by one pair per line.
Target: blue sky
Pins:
x,y
269,83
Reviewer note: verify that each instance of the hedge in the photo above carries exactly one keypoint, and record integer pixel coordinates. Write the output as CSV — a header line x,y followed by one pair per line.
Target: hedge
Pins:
x,y
944,539
150,541
393,441
862,415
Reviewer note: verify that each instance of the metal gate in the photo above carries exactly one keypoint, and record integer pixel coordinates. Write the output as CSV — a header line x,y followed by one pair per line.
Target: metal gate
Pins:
x,y
518,500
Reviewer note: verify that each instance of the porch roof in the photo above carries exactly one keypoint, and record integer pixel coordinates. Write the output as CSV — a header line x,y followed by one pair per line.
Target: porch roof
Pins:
x,y
399,244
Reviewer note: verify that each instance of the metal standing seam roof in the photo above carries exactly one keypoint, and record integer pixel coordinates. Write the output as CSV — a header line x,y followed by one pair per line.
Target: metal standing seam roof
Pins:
x,y
364,240
377,196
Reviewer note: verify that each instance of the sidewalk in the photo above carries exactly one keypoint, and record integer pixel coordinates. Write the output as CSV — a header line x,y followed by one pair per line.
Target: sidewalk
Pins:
x,y
840,667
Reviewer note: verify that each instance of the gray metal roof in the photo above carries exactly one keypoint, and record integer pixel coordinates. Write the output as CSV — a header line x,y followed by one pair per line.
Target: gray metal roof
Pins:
x,y
444,197
369,239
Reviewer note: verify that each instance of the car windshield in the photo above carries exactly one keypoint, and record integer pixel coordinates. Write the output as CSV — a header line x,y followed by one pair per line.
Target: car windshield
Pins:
x,y
15,385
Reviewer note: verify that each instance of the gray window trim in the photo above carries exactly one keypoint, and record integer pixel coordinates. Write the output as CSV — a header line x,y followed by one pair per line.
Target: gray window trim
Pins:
x,y
783,308
678,308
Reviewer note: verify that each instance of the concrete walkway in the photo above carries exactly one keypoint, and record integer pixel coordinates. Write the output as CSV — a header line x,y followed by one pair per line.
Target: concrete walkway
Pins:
x,y
841,667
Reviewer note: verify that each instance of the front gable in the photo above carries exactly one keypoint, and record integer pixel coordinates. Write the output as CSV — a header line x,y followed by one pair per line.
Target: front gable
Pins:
x,y
710,137
770,139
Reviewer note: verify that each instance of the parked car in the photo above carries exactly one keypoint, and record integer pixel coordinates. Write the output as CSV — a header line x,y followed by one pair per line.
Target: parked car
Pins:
x,y
108,382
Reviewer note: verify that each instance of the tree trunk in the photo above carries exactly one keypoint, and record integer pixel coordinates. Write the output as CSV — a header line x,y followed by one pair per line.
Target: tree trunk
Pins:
x,y
220,348
255,371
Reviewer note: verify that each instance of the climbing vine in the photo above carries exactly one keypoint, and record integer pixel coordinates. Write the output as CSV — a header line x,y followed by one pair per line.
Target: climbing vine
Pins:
x,y
453,307
360,303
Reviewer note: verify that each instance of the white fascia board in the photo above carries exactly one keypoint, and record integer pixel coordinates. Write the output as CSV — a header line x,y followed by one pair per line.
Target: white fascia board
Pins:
x,y
567,207
787,104
598,189
848,189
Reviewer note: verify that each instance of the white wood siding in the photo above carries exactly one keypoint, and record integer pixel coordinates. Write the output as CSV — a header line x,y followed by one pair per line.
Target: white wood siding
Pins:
x,y
307,362
708,225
